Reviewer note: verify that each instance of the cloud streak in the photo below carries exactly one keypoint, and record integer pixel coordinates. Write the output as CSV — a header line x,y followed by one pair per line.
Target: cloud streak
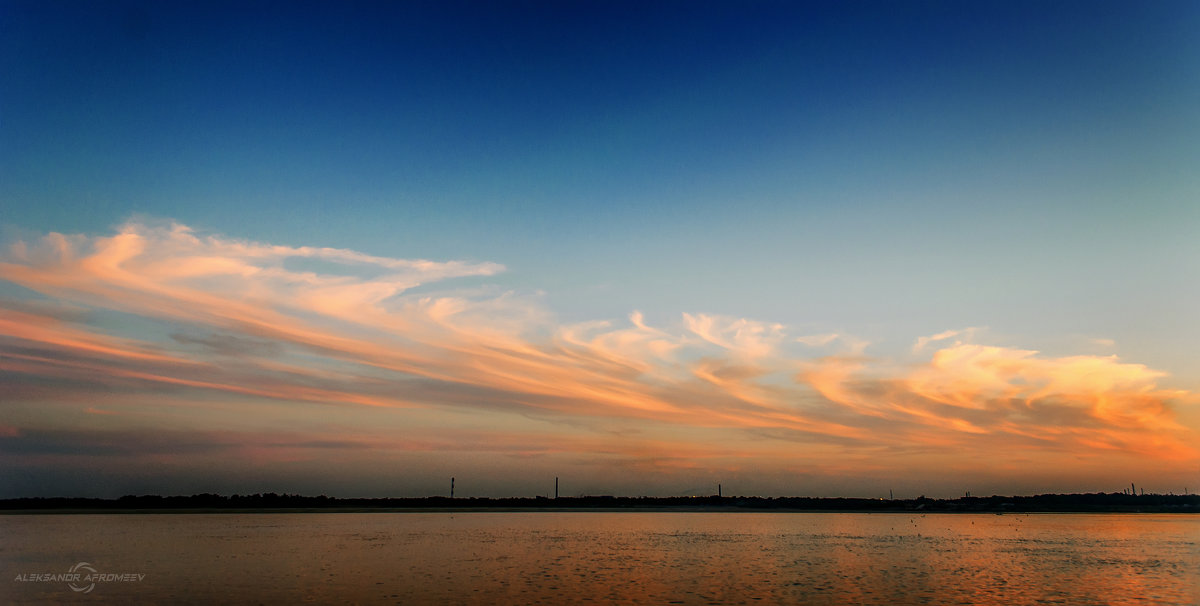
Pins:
x,y
222,318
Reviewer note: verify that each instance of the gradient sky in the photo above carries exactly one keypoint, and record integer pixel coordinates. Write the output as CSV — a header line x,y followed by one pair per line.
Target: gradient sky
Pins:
x,y
794,248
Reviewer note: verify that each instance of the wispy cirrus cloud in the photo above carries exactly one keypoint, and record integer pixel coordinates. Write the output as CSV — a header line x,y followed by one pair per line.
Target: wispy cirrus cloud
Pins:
x,y
339,327
922,342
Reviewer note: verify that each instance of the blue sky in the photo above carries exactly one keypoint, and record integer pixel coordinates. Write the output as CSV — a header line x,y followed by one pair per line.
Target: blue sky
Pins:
x,y
883,171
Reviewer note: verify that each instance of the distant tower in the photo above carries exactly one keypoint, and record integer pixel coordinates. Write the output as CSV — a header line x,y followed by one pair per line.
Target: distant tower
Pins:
x,y
718,491
890,497
451,488
556,487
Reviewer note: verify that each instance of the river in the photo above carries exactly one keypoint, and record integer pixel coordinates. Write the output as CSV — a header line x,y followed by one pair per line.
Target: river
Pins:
x,y
601,558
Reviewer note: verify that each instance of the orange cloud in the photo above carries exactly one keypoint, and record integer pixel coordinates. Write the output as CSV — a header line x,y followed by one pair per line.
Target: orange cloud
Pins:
x,y
270,322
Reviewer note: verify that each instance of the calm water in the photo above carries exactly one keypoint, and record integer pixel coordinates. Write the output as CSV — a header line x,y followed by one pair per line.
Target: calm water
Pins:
x,y
618,557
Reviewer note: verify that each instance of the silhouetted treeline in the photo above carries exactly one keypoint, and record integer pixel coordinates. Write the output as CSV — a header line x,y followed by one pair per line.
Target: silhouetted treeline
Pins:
x,y
1094,502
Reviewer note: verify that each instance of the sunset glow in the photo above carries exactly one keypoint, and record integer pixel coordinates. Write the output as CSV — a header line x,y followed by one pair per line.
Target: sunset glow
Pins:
x,y
648,255
464,373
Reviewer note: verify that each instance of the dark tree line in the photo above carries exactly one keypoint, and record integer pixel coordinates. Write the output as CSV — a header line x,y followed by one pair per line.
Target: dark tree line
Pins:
x,y
1093,502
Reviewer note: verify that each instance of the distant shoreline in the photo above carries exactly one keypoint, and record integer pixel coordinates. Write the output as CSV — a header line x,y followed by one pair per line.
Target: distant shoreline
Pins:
x,y
486,510
275,503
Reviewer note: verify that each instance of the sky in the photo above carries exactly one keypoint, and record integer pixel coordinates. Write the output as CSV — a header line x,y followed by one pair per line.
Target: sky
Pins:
x,y
795,248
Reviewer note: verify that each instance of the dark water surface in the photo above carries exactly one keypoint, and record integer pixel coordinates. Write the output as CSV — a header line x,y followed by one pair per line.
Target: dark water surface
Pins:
x,y
600,558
